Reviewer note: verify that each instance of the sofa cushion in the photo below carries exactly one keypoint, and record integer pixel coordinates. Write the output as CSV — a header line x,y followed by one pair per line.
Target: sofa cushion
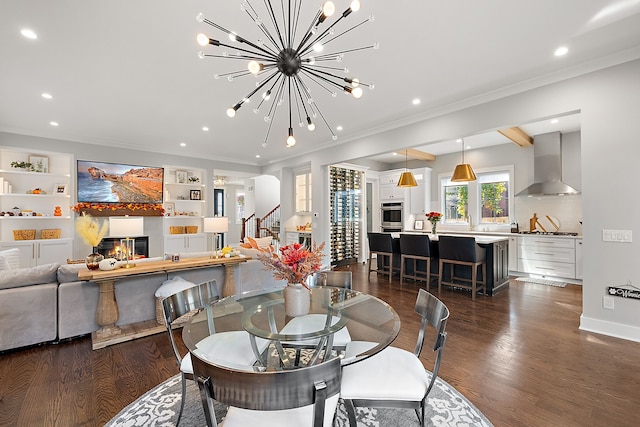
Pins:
x,y
17,277
11,258
4,265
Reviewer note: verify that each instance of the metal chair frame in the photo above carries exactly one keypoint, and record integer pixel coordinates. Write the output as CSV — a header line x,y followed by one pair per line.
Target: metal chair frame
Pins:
x,y
435,313
179,304
268,391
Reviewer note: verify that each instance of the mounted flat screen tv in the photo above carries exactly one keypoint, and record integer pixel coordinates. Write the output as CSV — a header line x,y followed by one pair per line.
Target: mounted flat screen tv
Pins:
x,y
119,183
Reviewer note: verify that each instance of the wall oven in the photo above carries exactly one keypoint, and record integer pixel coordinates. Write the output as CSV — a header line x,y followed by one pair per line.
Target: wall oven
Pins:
x,y
392,217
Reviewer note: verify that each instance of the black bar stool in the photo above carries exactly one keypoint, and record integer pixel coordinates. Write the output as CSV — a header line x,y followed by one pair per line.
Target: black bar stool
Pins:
x,y
381,246
416,250
464,251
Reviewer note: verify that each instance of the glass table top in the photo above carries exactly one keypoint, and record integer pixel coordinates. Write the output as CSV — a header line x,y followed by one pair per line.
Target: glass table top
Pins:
x,y
252,332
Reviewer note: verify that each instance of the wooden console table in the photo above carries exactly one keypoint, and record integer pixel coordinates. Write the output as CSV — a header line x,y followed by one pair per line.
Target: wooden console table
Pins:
x,y
107,313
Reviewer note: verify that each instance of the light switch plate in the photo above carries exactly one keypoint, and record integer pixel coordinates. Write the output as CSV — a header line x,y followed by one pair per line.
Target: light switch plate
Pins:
x,y
621,236
608,303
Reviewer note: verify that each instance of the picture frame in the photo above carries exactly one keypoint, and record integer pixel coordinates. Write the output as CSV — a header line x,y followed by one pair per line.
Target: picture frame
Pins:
x,y
39,163
181,177
194,195
169,209
60,189
418,225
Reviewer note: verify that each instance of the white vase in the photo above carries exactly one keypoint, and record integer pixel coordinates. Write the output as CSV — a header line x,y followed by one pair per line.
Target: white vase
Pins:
x,y
297,300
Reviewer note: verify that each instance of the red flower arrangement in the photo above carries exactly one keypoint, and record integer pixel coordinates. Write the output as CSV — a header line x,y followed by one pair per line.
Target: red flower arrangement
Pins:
x,y
434,216
295,262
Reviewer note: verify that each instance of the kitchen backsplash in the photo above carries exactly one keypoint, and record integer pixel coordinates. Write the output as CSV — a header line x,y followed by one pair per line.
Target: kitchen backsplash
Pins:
x,y
567,209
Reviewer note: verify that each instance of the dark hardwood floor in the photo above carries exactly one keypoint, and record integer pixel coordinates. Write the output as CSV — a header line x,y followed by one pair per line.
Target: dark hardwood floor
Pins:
x,y
518,356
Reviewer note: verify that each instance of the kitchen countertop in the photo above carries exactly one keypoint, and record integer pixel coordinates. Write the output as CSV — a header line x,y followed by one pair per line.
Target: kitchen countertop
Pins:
x,y
494,233
482,239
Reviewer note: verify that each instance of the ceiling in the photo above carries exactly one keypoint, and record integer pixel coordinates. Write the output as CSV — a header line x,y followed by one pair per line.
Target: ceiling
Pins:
x,y
127,74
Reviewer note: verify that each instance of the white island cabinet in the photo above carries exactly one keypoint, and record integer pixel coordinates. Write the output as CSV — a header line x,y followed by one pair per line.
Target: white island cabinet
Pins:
x,y
547,256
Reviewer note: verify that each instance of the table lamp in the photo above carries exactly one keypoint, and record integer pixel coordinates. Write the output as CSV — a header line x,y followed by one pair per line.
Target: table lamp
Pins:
x,y
127,226
215,225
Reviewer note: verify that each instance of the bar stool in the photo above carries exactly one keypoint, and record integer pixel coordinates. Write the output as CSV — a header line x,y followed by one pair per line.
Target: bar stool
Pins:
x,y
416,248
465,252
381,246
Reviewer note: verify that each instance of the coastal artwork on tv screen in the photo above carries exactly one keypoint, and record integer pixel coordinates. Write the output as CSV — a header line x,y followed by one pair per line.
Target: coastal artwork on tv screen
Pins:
x,y
119,183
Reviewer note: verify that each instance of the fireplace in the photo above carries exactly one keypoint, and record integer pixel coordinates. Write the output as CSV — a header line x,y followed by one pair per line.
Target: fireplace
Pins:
x,y
110,247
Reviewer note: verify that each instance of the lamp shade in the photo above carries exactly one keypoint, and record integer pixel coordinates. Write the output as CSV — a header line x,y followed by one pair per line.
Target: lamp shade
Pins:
x,y
126,226
407,180
463,173
217,224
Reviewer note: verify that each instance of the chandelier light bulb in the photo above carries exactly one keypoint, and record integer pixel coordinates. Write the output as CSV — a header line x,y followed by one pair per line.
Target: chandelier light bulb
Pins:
x,y
355,82
232,37
355,5
231,112
201,55
311,60
328,9
255,67
318,47
202,39
357,92
291,141
310,125
266,95
200,17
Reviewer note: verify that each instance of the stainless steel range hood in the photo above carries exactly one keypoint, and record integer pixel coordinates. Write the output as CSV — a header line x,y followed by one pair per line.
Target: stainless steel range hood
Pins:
x,y
547,168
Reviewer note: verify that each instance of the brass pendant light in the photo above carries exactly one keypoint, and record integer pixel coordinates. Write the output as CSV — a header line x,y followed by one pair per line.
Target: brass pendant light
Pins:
x,y
407,179
463,171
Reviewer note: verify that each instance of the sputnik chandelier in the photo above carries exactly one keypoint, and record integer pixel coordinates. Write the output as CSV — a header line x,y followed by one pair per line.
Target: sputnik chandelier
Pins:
x,y
287,66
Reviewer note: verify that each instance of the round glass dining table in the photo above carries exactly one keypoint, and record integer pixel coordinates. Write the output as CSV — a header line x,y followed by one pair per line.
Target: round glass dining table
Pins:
x,y
251,331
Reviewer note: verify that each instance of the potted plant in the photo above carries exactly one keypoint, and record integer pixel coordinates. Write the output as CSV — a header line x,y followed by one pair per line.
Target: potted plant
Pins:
x,y
22,165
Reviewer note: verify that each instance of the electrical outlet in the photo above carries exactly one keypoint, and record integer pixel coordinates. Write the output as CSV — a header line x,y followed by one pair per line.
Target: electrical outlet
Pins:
x,y
607,302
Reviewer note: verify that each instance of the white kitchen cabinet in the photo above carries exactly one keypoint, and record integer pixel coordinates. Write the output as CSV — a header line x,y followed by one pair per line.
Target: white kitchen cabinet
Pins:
x,y
389,189
185,243
579,259
303,191
40,252
420,196
547,256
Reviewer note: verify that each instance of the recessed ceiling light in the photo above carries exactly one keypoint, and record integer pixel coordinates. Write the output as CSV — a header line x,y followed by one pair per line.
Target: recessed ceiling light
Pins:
x,y
338,128
561,51
54,123
416,101
554,121
182,144
47,96
257,156
205,129
459,140
29,34
394,153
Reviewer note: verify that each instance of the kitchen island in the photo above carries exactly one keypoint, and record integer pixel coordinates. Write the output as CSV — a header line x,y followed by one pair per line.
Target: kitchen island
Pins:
x,y
497,248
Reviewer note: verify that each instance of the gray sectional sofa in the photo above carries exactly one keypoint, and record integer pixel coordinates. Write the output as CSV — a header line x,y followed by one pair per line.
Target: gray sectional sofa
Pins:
x,y
48,303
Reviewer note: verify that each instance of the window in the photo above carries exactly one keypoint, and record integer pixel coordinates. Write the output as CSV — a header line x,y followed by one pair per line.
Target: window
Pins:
x,y
456,202
487,200
494,198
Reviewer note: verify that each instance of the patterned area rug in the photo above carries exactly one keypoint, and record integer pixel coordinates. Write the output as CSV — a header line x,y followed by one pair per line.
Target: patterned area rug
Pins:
x,y
160,405
557,283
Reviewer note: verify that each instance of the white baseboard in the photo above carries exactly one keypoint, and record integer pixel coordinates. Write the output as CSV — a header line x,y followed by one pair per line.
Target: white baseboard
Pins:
x,y
617,330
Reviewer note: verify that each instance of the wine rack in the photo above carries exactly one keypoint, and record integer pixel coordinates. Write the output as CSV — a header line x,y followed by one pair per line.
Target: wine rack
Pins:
x,y
345,187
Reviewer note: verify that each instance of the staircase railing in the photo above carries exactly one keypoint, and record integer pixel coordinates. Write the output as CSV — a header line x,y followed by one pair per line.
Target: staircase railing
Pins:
x,y
269,225
248,227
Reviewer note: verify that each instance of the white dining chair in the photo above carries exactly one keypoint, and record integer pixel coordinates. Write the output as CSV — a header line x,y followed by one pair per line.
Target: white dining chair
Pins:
x,y
395,377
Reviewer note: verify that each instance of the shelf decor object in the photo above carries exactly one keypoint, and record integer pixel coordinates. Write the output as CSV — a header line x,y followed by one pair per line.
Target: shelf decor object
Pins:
x,y
463,171
92,233
215,225
288,67
127,227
